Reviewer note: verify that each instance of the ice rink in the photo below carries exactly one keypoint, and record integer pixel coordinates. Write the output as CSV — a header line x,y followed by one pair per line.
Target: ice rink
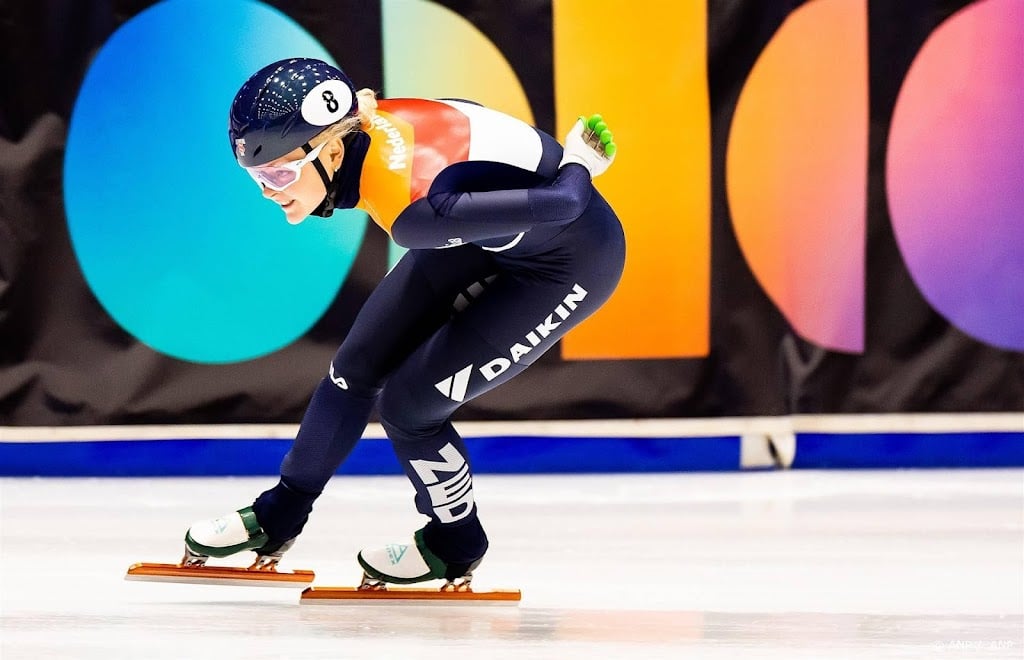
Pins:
x,y
798,564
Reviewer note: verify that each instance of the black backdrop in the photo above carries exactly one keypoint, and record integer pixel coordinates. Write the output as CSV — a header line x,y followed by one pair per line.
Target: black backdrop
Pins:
x,y
58,347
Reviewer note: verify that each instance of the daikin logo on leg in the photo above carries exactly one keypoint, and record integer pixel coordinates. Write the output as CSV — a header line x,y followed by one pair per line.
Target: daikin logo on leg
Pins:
x,y
537,335
454,387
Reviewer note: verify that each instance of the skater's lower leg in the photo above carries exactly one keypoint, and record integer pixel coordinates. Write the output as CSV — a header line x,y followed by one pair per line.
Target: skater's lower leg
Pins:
x,y
453,542
437,464
333,423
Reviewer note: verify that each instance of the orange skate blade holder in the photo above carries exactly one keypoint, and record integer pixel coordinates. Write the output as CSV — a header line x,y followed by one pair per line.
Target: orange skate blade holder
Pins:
x,y
228,575
408,596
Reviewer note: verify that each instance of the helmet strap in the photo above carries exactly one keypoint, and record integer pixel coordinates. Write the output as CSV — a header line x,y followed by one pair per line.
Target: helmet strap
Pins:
x,y
343,191
326,207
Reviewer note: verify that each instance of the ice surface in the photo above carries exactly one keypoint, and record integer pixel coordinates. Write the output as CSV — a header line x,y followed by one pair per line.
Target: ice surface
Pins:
x,y
800,564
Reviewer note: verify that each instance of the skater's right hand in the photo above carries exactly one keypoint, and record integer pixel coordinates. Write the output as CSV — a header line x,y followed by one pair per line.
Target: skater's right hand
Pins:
x,y
590,144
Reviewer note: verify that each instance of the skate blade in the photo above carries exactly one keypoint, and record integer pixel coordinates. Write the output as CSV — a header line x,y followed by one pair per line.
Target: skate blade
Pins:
x,y
243,577
408,596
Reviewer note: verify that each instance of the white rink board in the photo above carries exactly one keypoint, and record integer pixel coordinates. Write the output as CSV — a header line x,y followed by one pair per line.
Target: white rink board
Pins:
x,y
780,564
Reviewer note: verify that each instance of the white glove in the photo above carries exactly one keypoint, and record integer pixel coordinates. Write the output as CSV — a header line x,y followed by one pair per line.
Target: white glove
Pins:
x,y
590,144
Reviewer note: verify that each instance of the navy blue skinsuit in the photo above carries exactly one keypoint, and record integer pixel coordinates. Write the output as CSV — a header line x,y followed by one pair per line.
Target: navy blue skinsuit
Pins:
x,y
534,253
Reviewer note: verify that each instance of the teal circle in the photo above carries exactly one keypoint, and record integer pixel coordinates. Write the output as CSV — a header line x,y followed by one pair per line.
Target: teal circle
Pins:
x,y
174,239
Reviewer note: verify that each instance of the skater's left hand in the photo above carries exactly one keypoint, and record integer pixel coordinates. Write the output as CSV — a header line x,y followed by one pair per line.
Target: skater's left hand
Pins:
x,y
590,144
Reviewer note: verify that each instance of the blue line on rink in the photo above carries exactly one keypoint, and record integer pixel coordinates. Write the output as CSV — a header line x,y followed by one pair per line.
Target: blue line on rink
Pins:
x,y
917,450
506,454
512,454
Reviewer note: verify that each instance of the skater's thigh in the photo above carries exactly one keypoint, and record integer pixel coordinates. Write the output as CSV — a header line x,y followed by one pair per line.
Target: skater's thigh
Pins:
x,y
499,335
415,298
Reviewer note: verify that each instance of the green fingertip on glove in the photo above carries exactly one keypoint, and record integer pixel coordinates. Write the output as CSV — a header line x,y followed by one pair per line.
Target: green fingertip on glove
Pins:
x,y
596,124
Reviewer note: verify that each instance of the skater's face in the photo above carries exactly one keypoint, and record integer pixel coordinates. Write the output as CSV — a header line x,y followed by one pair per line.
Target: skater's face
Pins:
x,y
292,181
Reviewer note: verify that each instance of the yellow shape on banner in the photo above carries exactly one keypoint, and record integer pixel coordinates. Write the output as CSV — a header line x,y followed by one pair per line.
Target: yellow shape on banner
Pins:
x,y
646,72
432,52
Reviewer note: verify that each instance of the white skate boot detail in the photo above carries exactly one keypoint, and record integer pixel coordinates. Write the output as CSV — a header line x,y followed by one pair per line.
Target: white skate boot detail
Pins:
x,y
226,535
220,532
402,563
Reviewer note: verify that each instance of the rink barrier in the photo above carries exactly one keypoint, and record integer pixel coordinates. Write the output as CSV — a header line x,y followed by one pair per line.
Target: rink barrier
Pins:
x,y
566,446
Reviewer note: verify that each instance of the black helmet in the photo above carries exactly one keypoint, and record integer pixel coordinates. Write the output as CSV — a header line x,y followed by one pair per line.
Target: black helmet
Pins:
x,y
284,105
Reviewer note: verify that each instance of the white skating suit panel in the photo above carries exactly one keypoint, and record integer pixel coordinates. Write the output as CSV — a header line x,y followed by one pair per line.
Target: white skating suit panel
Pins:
x,y
500,138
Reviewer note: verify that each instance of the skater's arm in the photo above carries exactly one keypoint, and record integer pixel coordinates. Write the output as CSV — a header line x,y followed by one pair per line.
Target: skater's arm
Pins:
x,y
453,215
473,216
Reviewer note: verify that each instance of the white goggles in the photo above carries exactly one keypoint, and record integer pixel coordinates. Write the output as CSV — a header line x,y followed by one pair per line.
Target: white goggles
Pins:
x,y
280,176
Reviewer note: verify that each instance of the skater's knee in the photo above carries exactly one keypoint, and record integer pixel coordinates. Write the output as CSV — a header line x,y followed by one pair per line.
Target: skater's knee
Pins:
x,y
358,367
406,417
349,377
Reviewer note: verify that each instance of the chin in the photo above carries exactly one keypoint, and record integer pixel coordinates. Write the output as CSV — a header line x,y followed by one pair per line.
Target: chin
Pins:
x,y
294,217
